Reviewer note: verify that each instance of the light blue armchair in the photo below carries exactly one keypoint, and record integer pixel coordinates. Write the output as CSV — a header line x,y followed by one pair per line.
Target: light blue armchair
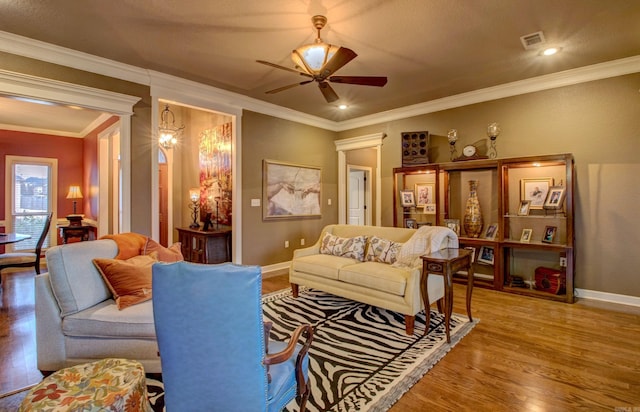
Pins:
x,y
212,342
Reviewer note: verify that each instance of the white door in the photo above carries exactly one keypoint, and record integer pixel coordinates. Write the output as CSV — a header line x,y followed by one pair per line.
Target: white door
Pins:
x,y
356,201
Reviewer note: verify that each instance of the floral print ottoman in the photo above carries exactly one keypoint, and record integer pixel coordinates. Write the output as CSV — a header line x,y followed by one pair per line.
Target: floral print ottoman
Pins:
x,y
106,385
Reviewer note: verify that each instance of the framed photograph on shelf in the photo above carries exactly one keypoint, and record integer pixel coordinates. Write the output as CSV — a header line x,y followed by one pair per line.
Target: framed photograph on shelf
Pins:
x,y
410,223
491,232
453,224
430,209
407,198
473,253
549,234
425,194
535,191
523,209
486,255
555,197
526,235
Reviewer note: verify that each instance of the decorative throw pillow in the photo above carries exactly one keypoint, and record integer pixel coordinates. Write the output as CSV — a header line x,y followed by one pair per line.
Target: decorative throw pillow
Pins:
x,y
352,247
129,244
129,280
172,253
382,250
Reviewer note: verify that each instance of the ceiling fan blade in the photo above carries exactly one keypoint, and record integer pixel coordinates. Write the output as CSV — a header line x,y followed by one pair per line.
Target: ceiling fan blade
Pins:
x,y
279,89
277,66
328,92
377,81
342,57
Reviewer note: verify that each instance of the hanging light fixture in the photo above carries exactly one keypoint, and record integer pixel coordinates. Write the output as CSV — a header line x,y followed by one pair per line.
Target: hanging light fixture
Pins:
x,y
168,131
310,58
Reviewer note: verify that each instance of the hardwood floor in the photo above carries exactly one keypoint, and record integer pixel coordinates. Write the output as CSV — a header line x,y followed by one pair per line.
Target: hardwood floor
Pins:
x,y
526,354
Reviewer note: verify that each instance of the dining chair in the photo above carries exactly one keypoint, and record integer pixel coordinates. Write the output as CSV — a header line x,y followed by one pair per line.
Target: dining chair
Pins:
x,y
213,343
26,259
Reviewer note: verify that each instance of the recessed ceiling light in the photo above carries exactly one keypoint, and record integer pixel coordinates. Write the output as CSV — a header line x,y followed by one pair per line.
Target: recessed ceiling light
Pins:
x,y
343,107
550,51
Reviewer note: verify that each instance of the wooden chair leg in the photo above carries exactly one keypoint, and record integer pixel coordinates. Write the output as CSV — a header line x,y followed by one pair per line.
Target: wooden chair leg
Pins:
x,y
294,290
302,399
439,304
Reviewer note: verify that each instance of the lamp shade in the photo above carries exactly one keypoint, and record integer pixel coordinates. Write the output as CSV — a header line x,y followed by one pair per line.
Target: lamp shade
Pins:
x,y
194,194
313,57
74,192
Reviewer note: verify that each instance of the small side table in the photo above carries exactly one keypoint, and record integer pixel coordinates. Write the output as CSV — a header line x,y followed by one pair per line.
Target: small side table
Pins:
x,y
446,262
84,232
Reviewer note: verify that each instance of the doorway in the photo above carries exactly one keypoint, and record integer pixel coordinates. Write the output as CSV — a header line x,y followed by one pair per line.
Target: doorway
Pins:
x,y
359,196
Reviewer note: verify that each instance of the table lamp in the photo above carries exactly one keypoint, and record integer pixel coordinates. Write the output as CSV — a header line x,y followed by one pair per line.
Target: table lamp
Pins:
x,y
74,193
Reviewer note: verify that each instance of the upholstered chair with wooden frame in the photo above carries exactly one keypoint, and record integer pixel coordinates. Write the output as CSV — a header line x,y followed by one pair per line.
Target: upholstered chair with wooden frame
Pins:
x,y
212,343
26,259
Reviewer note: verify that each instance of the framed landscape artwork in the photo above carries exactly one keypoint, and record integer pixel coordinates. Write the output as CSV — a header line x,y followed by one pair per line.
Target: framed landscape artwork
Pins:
x,y
290,190
535,191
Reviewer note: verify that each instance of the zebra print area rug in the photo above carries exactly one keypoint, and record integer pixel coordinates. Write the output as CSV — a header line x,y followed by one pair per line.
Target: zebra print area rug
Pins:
x,y
361,358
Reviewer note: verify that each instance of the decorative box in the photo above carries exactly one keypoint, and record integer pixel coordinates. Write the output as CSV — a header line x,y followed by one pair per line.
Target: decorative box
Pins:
x,y
550,280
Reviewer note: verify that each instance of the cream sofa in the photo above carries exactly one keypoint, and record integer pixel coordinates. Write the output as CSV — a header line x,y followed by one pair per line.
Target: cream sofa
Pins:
x,y
395,287
77,319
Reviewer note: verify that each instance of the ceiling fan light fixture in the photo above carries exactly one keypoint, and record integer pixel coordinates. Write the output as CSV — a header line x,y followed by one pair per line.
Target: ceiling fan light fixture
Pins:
x,y
311,58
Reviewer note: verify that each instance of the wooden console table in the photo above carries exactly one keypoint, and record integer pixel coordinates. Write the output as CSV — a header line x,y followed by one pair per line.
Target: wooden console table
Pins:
x,y
446,262
84,232
205,247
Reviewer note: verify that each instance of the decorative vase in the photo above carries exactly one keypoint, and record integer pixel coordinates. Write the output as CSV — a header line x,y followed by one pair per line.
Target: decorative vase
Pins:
x,y
472,222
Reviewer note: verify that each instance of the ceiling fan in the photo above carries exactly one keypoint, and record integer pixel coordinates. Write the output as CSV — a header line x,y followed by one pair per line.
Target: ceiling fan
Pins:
x,y
319,61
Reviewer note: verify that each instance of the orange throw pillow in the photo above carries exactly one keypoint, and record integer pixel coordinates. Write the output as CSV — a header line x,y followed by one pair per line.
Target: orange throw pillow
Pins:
x,y
171,254
129,244
129,280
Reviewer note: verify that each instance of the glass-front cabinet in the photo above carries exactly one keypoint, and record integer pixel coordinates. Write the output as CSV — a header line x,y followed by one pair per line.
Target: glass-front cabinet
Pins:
x,y
525,243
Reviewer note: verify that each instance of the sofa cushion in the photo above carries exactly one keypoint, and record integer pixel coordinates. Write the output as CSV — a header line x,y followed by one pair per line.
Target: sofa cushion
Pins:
x,y
172,253
326,266
377,276
381,250
75,281
129,280
105,320
346,247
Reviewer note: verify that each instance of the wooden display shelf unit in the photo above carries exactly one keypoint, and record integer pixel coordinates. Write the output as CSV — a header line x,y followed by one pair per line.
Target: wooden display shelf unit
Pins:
x,y
500,190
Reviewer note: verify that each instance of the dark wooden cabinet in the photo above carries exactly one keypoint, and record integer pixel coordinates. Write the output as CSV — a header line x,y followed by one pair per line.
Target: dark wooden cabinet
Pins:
x,y
205,247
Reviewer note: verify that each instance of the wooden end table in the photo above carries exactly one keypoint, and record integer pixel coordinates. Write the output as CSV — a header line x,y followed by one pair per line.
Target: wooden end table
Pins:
x,y
446,262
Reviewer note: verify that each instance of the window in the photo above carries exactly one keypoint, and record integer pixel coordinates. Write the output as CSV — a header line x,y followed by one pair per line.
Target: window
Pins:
x,y
33,188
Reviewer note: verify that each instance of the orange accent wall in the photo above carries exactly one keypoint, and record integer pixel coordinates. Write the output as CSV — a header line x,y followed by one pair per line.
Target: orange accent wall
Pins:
x,y
77,164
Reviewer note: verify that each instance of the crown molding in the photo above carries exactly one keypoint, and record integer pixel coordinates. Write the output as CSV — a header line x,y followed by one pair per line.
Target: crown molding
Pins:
x,y
598,71
39,50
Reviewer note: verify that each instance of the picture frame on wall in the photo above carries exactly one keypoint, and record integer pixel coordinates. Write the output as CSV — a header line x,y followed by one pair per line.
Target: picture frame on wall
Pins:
x,y
486,255
535,190
410,223
523,209
526,235
407,198
424,194
549,234
290,190
453,224
555,198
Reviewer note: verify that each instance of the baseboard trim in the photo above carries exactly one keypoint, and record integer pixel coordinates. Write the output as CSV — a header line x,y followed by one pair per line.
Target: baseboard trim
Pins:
x,y
608,297
275,269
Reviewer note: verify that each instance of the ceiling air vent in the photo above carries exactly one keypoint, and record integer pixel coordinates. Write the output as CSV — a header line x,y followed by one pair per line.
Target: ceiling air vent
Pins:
x,y
532,41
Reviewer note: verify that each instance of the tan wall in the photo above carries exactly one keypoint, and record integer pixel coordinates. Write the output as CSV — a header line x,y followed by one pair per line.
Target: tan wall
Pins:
x,y
599,122
266,137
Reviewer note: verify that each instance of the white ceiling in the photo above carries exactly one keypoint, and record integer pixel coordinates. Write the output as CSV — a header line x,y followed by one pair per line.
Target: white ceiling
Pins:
x,y
428,49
